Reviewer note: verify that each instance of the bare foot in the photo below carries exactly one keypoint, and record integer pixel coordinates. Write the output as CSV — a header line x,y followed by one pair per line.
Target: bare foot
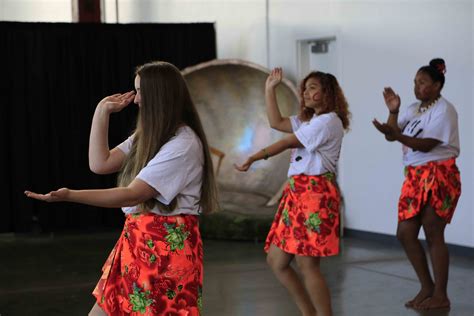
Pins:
x,y
434,303
419,298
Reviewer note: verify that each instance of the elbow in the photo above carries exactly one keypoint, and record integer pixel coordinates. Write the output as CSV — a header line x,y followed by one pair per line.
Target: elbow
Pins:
x,y
273,125
428,147
97,169
135,197
425,149
276,126
132,203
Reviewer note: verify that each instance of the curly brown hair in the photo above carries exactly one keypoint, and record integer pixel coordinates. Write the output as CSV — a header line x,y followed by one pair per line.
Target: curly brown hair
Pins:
x,y
333,98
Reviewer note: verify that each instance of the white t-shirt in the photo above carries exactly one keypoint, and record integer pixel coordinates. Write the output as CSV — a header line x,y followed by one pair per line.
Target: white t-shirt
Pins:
x,y
175,171
439,122
322,140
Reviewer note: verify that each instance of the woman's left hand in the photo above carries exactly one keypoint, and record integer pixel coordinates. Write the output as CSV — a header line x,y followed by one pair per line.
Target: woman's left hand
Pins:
x,y
386,129
245,166
53,196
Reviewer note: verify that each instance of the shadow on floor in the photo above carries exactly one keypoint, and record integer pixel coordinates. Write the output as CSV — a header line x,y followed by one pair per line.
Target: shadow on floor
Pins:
x,y
55,275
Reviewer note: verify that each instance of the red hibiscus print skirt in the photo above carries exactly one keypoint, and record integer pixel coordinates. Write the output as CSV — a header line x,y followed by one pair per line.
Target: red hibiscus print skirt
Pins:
x,y
154,269
436,182
307,220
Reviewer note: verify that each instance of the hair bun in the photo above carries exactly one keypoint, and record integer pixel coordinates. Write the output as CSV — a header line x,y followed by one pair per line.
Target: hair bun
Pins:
x,y
439,65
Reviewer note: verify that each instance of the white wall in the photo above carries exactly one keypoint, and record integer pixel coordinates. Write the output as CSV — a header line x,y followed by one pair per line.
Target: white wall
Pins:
x,y
380,42
36,10
384,43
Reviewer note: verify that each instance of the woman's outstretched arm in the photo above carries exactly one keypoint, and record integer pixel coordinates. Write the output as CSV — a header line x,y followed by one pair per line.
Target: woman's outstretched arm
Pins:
x,y
137,192
274,149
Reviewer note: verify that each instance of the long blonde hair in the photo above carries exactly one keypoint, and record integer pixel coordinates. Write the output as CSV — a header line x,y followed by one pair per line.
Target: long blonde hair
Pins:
x,y
165,105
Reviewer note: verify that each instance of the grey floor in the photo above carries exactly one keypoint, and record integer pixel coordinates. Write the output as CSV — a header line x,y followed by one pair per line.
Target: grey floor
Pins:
x,y
54,276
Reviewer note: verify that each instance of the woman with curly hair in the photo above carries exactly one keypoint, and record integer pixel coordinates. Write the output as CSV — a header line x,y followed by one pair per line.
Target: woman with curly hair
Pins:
x,y
306,225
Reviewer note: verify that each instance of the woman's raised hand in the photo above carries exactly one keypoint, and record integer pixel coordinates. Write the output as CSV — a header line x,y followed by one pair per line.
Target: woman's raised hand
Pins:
x,y
274,78
117,102
53,196
392,100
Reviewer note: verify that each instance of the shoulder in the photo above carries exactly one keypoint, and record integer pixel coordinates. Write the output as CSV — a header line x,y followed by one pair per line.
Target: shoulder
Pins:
x,y
444,106
409,112
184,141
328,120
412,108
183,148
183,144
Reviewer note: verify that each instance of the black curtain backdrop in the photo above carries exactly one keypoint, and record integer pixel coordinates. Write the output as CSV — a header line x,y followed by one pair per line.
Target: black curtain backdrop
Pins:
x,y
52,77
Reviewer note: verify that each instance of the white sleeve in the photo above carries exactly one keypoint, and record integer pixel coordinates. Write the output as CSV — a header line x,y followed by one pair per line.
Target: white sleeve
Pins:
x,y
167,172
295,122
312,135
442,125
126,145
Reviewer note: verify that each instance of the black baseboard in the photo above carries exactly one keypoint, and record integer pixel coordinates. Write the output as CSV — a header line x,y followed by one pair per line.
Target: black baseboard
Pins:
x,y
392,241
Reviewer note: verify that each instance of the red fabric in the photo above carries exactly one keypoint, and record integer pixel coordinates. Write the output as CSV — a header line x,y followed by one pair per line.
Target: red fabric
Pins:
x,y
307,220
154,269
438,181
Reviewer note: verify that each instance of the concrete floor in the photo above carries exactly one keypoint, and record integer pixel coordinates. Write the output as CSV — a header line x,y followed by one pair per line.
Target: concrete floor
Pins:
x,y
55,275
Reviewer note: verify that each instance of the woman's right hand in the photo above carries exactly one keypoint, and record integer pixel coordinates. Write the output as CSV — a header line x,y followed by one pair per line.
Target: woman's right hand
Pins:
x,y
245,166
117,102
274,78
392,100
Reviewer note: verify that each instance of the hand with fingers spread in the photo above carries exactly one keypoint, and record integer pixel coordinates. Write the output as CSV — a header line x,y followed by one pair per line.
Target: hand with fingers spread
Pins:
x,y
245,166
117,102
274,78
392,100
53,196
387,130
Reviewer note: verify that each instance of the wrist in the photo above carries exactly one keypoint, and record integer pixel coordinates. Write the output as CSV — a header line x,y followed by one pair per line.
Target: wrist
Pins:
x,y
103,109
266,154
270,89
397,136
69,196
394,111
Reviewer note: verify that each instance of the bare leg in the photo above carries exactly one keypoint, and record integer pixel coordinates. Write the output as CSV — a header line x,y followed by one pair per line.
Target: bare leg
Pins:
x,y
434,227
407,234
315,284
279,261
97,311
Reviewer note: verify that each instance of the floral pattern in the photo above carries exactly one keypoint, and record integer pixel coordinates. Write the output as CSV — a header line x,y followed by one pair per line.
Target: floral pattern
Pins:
x,y
438,182
154,269
307,220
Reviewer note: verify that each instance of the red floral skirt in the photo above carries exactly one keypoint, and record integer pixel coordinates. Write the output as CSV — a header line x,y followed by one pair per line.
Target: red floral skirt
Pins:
x,y
307,220
154,269
440,182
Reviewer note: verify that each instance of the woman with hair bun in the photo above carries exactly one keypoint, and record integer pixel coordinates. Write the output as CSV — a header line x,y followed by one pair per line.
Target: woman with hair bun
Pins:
x,y
428,131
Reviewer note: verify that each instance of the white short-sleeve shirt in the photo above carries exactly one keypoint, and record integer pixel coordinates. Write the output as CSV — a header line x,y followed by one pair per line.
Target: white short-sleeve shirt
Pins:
x,y
322,139
175,171
439,122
